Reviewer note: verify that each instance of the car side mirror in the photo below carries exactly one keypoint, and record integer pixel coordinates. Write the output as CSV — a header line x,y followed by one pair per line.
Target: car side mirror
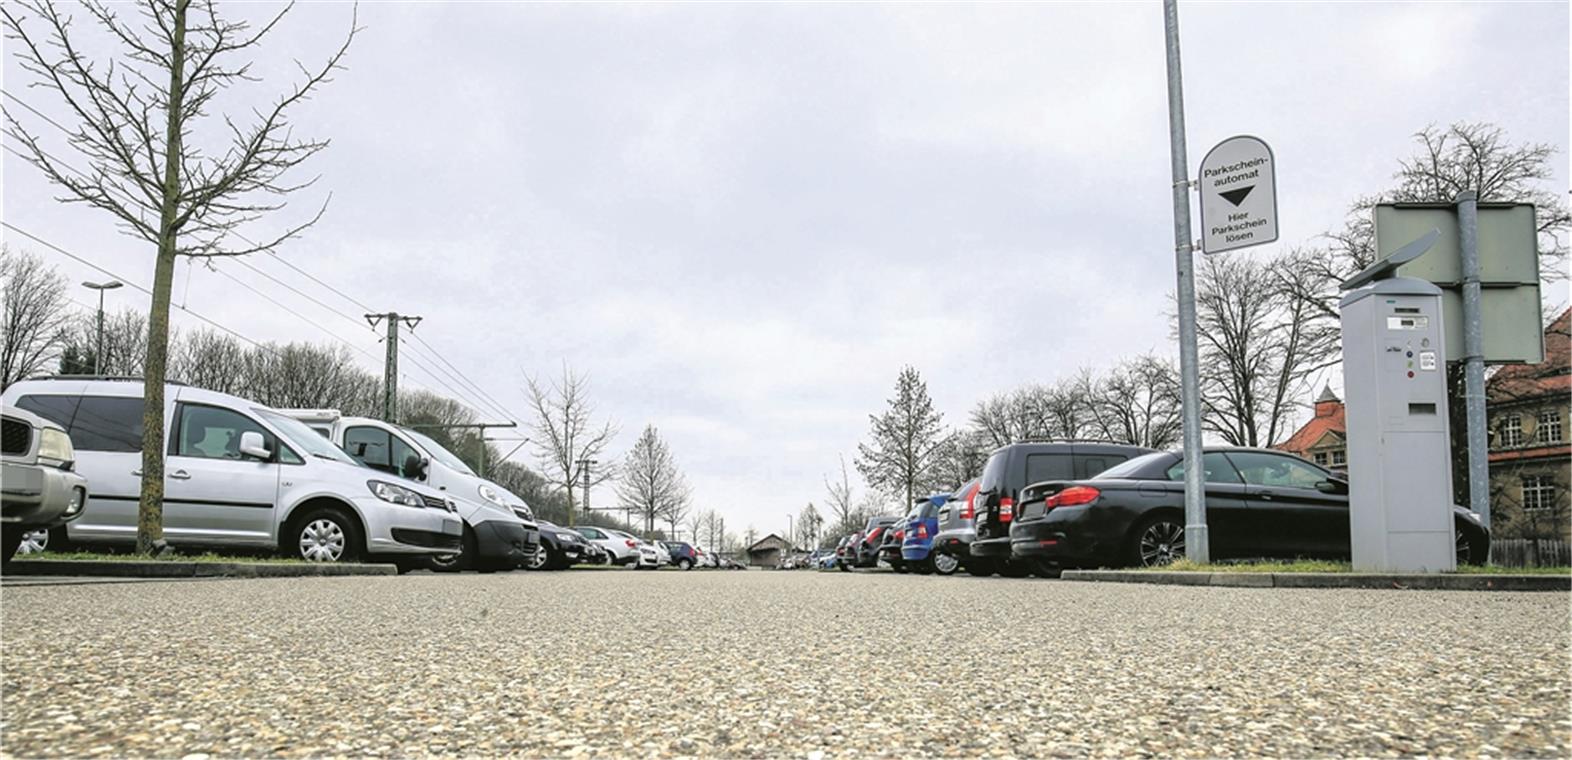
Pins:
x,y
251,445
416,466
1336,486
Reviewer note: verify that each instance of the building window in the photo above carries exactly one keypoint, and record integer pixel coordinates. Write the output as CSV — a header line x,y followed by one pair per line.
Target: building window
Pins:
x,y
1320,458
1539,492
1339,458
1512,431
1549,428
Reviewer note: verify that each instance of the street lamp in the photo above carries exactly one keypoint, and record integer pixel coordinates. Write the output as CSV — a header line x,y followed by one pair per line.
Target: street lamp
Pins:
x,y
98,355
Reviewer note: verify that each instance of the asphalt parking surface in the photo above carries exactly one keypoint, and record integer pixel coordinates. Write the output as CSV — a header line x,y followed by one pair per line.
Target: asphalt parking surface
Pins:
x,y
776,663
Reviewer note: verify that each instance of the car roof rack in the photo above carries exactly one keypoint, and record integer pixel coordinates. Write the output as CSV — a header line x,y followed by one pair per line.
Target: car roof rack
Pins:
x,y
112,378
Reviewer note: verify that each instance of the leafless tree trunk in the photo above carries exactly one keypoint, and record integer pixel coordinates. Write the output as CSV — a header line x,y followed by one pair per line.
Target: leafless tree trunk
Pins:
x,y
137,117
840,498
36,315
564,435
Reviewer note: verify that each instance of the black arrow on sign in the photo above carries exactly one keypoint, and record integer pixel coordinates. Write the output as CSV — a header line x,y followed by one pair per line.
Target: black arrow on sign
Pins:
x,y
1237,197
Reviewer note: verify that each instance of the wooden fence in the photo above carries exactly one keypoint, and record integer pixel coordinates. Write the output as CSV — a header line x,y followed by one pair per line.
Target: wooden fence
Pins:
x,y
1530,552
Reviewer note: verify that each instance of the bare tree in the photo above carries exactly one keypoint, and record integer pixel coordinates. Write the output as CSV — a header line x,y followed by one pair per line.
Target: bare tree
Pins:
x,y
125,344
564,435
809,527
1137,402
650,482
1257,351
35,315
181,189
840,498
901,455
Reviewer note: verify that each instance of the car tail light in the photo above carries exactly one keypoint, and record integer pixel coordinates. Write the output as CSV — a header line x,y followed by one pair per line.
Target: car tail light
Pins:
x,y
1006,509
969,511
631,544
900,534
922,531
873,535
1073,496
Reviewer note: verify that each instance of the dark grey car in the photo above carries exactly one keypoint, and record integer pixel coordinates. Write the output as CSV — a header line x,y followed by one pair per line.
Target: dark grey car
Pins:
x,y
957,529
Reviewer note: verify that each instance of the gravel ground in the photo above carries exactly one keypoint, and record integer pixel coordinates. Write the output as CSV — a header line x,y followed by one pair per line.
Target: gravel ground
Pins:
x,y
776,664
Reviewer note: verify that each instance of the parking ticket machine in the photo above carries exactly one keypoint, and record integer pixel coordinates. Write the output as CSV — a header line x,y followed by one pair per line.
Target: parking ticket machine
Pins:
x,y
1399,451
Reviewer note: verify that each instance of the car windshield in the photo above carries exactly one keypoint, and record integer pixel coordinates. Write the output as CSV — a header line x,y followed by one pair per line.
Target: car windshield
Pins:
x,y
1129,467
437,452
301,435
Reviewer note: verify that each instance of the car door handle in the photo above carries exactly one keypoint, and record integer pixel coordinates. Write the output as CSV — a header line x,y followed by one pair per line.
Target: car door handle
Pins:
x,y
136,473
180,475
1267,495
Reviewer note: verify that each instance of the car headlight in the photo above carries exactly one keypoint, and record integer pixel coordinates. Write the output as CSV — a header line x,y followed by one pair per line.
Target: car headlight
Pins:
x,y
490,494
525,512
55,445
571,538
395,494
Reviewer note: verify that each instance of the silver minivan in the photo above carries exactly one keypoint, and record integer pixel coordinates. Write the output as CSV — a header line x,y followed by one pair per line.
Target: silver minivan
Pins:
x,y
500,531
237,474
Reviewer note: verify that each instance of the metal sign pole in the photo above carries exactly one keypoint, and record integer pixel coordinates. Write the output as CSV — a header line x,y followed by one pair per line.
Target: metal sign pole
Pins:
x,y
1473,358
1197,546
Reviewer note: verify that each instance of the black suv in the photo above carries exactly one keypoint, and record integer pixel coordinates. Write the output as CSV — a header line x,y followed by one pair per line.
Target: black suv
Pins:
x,y
1013,467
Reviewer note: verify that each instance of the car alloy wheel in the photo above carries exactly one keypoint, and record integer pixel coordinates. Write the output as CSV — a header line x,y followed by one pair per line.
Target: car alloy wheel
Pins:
x,y
945,564
1161,543
33,542
322,540
540,558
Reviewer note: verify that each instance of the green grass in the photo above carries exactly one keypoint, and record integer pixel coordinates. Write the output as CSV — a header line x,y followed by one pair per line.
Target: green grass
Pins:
x,y
174,556
1327,566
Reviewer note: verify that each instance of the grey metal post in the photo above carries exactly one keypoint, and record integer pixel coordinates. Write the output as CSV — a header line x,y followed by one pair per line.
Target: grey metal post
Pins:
x,y
98,354
390,373
1474,358
1197,545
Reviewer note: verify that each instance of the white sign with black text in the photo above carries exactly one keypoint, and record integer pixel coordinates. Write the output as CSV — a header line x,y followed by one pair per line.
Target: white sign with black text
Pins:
x,y
1238,195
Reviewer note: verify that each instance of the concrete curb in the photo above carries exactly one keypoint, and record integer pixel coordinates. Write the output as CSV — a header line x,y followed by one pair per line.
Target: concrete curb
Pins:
x,y
1440,581
177,569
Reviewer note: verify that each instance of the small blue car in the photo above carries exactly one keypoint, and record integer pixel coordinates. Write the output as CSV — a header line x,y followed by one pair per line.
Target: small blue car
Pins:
x,y
917,546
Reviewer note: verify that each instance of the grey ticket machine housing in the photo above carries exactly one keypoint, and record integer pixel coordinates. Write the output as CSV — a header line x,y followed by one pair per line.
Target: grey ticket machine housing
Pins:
x,y
1399,450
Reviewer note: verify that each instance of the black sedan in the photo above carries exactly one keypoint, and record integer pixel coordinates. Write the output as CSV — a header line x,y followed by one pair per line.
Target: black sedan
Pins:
x,y
559,548
1259,503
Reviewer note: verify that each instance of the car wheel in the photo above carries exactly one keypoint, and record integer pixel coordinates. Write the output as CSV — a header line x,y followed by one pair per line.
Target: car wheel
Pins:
x,y
979,568
899,567
845,567
33,542
945,564
1472,548
1010,569
1156,541
541,559
326,534
685,564
452,563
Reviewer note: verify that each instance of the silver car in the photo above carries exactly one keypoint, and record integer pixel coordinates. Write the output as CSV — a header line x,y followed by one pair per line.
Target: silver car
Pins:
x,y
38,489
236,474
957,528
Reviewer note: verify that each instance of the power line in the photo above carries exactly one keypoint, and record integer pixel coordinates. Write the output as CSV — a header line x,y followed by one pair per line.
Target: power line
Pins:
x,y
457,376
127,280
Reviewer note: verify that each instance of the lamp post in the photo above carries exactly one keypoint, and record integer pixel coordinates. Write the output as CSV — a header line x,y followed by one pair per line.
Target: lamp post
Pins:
x,y
98,354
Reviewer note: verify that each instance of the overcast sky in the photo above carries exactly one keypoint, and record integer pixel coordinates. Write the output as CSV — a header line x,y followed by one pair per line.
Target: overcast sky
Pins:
x,y
741,220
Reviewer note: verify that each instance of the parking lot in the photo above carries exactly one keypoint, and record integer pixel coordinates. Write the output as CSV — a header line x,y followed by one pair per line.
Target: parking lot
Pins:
x,y
776,663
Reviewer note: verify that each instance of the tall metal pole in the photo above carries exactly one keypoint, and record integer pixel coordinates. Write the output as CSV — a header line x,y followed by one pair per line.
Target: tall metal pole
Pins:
x,y
1474,358
98,354
390,373
1197,544
390,365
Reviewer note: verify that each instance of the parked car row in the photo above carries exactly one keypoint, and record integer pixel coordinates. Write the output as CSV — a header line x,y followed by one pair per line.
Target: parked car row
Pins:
x,y
1042,507
309,483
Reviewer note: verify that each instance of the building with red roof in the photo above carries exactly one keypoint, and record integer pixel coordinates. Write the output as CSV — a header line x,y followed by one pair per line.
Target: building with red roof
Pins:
x,y
1324,439
1527,407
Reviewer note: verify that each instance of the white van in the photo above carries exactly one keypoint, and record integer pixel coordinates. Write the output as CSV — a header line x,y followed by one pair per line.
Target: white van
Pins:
x,y
236,474
500,531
